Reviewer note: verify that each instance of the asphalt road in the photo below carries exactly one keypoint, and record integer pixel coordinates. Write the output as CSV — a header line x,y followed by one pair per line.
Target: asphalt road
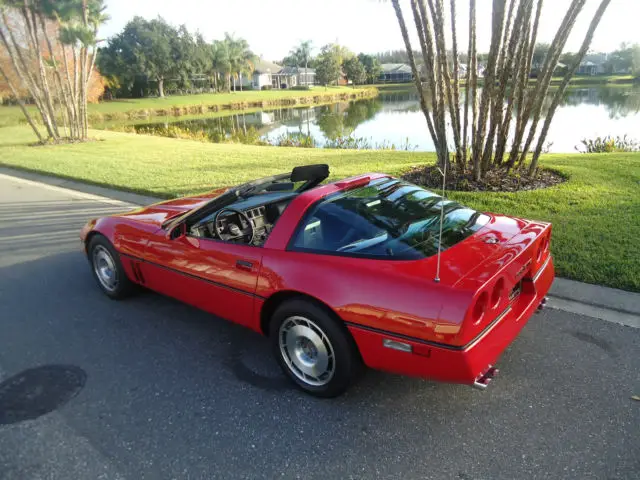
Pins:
x,y
151,388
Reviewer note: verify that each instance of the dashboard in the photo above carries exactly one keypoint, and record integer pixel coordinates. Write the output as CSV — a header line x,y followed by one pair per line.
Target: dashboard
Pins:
x,y
232,226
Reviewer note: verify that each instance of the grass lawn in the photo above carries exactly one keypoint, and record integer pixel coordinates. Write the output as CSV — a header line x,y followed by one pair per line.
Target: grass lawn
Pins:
x,y
595,215
237,100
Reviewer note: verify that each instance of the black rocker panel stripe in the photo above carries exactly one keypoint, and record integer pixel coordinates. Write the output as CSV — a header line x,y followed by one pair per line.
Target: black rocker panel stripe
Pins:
x,y
190,275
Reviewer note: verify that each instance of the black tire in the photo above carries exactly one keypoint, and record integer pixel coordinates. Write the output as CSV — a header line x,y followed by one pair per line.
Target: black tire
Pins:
x,y
345,361
98,250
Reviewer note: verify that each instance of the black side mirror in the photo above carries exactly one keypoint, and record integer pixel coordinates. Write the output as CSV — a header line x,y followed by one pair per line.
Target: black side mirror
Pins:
x,y
177,231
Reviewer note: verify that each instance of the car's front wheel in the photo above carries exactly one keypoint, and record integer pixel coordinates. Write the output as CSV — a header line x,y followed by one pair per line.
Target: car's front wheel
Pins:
x,y
107,269
314,349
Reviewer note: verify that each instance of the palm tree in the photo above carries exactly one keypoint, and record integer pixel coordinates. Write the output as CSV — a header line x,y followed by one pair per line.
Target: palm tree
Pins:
x,y
33,43
302,53
241,58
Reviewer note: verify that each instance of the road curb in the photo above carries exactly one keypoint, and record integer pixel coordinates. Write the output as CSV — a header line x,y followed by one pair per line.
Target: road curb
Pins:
x,y
620,301
111,193
596,296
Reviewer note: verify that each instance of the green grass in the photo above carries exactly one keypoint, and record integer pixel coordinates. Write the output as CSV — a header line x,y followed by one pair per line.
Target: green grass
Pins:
x,y
201,103
595,215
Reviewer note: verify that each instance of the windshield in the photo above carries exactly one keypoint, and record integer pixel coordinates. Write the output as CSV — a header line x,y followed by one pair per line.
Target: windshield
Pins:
x,y
388,218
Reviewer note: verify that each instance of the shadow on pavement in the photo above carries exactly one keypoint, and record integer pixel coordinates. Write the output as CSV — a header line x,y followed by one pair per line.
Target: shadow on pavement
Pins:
x,y
48,226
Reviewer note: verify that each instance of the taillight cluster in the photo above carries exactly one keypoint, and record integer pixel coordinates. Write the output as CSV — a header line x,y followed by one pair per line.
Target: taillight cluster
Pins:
x,y
497,292
543,247
488,303
479,308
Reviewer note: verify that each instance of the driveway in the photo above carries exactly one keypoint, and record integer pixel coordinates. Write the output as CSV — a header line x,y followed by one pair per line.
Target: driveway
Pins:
x,y
151,388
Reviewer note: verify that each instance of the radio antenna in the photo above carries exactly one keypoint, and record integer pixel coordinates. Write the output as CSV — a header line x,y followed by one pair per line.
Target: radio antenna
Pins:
x,y
444,183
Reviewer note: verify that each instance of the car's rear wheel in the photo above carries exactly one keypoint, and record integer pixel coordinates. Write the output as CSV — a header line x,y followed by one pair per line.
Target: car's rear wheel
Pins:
x,y
314,349
107,269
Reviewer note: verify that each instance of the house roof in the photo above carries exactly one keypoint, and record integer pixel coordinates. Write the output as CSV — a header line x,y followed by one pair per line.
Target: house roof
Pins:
x,y
395,68
263,66
295,71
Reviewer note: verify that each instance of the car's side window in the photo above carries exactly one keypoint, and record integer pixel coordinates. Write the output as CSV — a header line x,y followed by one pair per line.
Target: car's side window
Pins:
x,y
331,228
388,219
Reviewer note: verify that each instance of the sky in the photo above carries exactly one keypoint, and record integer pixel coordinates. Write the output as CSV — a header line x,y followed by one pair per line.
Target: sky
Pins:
x,y
274,27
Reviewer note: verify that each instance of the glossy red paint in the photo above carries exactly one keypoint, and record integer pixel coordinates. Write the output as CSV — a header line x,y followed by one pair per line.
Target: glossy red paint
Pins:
x,y
377,299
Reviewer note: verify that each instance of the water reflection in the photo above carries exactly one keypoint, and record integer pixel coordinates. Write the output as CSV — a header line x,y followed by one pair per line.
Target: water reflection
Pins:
x,y
394,118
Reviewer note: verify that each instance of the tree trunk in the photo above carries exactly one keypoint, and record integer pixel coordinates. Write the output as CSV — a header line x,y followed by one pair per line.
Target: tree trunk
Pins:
x,y
21,68
533,108
22,105
444,77
471,54
506,66
423,27
43,78
73,111
423,103
63,97
518,84
522,98
460,154
497,24
161,87
565,82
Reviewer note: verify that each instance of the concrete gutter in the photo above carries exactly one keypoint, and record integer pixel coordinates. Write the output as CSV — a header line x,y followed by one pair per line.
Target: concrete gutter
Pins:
x,y
606,303
110,193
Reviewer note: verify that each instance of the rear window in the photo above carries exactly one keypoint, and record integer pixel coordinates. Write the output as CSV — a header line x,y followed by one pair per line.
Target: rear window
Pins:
x,y
388,218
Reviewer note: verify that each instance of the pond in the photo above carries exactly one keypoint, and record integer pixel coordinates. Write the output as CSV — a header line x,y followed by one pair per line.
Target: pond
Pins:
x,y
394,119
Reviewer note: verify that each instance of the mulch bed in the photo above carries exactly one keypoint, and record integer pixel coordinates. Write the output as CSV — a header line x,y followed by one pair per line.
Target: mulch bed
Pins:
x,y
494,181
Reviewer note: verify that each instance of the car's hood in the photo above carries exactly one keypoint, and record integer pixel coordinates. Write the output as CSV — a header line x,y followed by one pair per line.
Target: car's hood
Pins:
x,y
159,213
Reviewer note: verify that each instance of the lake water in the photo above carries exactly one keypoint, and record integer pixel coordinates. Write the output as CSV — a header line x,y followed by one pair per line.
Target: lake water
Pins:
x,y
395,118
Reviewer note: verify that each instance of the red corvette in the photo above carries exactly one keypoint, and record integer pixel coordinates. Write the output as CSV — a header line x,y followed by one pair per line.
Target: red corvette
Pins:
x,y
339,275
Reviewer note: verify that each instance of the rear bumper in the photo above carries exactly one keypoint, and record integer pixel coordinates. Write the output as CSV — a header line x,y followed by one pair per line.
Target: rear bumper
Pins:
x,y
455,364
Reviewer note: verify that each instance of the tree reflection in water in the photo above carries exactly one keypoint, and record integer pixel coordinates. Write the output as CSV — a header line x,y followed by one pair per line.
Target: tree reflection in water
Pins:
x,y
393,118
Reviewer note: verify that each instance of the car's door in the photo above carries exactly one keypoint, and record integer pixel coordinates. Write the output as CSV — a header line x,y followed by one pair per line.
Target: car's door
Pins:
x,y
216,276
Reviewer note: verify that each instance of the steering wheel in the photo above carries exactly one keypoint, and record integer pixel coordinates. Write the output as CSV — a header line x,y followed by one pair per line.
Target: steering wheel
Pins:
x,y
231,231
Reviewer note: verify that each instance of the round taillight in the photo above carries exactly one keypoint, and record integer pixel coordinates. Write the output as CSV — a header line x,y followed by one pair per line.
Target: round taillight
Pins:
x,y
480,307
496,293
543,247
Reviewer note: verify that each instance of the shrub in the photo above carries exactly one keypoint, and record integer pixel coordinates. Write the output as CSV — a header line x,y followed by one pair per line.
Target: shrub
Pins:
x,y
266,87
301,140
301,87
609,144
349,143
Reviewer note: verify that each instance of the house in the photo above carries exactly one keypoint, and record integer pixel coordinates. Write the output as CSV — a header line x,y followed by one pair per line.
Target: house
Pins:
x,y
587,68
462,69
294,76
593,64
271,75
263,75
395,72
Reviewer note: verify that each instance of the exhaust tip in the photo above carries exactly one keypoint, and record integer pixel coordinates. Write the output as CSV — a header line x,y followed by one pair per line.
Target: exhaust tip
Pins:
x,y
482,382
543,303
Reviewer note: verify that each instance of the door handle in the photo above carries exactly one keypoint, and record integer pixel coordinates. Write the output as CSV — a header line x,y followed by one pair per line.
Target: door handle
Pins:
x,y
244,265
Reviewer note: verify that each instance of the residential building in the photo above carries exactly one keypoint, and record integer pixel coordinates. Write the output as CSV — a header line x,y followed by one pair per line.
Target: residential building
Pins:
x,y
395,72
269,74
294,76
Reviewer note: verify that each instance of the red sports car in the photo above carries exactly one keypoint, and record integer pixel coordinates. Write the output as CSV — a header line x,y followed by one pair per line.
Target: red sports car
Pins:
x,y
339,275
